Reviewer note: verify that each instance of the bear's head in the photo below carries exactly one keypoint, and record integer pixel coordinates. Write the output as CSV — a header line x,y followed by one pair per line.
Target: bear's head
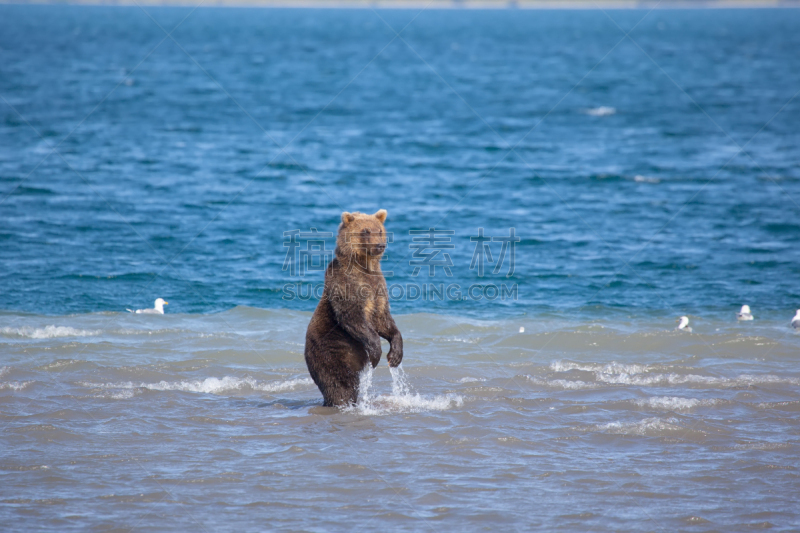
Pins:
x,y
361,236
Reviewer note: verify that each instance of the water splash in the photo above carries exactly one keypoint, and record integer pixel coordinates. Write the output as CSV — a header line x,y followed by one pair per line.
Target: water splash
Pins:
x,y
400,384
403,399
365,384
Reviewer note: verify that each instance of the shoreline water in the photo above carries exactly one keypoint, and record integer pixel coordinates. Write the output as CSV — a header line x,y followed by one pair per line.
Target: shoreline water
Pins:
x,y
590,414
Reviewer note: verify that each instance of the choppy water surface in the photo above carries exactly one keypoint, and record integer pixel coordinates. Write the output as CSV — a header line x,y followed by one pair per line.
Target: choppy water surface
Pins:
x,y
181,421
627,188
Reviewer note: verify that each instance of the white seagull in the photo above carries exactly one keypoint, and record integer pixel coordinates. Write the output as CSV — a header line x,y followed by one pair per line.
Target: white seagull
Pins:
x,y
744,314
796,320
684,324
157,310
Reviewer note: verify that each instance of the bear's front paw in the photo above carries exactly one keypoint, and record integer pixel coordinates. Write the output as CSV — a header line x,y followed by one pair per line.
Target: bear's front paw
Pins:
x,y
394,358
374,353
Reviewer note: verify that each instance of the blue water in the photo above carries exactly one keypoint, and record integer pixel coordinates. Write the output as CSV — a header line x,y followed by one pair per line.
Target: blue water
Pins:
x,y
134,167
626,184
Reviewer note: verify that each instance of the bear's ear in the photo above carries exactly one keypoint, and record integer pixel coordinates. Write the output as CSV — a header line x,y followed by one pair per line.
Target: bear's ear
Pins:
x,y
381,215
347,218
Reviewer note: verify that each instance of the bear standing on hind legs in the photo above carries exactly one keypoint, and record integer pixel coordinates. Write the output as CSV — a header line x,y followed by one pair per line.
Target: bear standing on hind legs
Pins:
x,y
353,313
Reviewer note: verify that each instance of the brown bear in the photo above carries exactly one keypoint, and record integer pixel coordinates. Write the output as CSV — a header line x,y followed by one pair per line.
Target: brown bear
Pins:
x,y
353,313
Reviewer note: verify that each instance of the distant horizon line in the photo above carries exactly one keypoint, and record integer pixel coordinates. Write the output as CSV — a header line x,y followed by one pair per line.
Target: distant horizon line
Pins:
x,y
434,4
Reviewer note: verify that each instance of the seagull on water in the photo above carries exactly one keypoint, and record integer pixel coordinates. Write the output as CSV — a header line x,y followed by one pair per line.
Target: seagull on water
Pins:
x,y
684,324
796,320
157,310
744,314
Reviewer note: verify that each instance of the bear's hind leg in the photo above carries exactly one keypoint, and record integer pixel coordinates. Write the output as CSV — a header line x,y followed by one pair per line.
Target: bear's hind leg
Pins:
x,y
341,392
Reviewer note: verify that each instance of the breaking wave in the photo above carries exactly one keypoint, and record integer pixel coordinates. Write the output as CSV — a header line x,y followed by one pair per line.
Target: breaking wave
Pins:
x,y
47,332
470,380
562,383
14,385
61,363
647,427
643,375
605,368
745,380
673,403
209,385
460,339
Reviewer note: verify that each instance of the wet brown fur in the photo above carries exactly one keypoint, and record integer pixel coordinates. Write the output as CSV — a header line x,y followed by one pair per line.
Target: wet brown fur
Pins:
x,y
353,313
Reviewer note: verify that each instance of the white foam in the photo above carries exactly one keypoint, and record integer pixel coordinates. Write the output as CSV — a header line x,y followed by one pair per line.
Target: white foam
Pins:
x,y
648,426
282,386
402,399
744,380
602,111
151,332
748,379
777,405
210,385
123,394
628,379
4,370
645,179
470,380
760,446
459,339
673,403
14,385
47,332
562,383
642,375
61,363
605,368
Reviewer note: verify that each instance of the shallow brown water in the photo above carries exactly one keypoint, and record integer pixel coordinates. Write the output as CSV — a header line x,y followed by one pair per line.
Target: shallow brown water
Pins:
x,y
176,422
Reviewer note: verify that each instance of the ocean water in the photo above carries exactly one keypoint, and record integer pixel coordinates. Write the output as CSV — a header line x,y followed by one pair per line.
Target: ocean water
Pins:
x,y
647,163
